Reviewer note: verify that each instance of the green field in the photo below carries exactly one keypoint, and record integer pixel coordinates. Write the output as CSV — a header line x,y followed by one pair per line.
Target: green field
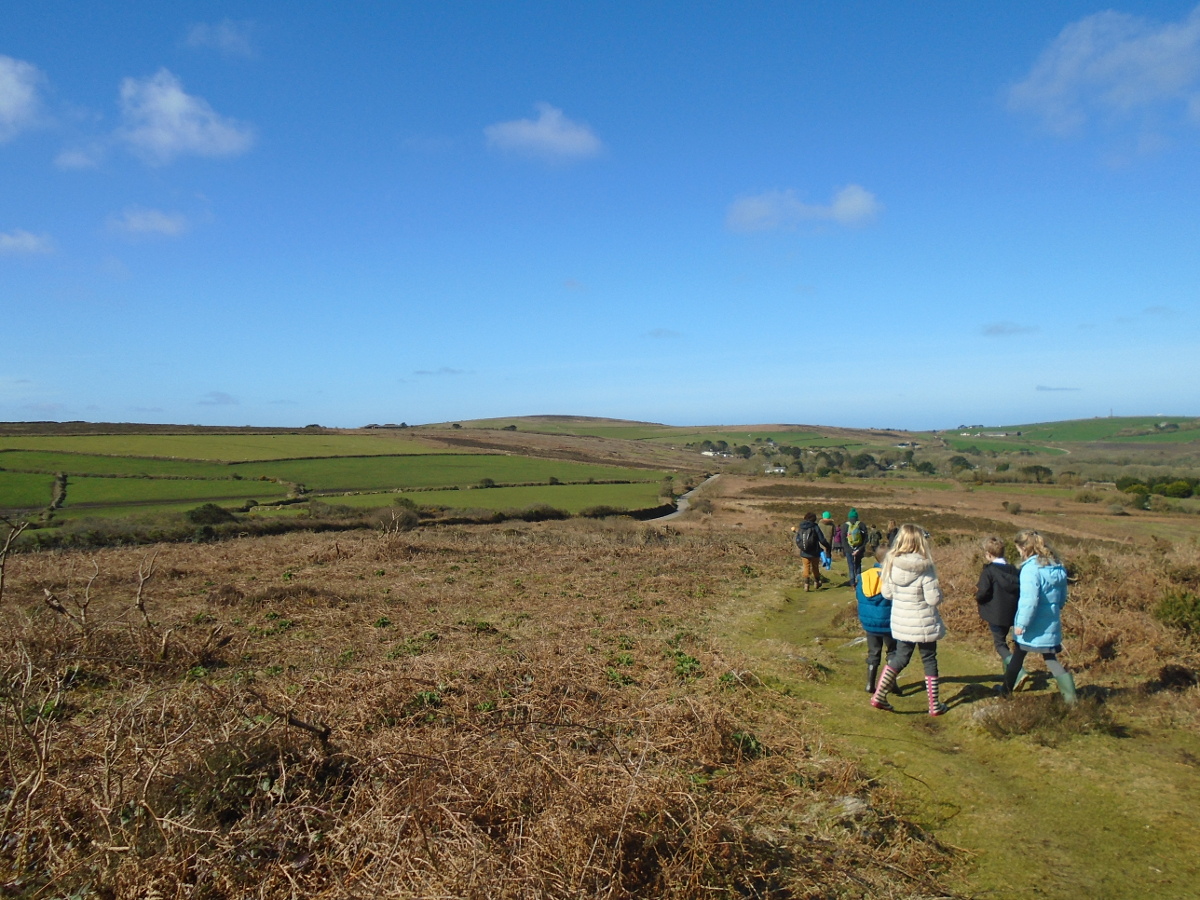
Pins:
x,y
117,491
226,447
1106,429
85,464
20,491
147,474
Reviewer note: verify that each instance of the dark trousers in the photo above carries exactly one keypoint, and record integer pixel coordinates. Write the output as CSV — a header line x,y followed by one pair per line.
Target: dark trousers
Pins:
x,y
875,646
899,657
1000,640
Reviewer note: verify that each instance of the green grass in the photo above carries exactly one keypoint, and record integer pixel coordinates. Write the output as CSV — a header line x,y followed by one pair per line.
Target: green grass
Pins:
x,y
117,491
568,497
19,491
84,464
1102,429
1092,816
229,447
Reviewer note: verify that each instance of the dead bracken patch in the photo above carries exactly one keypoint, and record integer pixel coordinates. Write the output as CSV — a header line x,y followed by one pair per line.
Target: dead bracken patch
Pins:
x,y
513,711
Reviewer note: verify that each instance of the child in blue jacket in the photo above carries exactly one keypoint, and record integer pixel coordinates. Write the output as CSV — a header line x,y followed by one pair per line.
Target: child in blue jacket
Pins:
x,y
1038,624
875,615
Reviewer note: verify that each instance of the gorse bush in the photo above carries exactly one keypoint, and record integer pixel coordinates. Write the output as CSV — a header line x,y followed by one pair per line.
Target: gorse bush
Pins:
x,y
1181,610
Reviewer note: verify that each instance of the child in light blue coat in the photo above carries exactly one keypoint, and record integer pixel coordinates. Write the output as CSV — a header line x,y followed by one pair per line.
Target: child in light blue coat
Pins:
x,y
1038,624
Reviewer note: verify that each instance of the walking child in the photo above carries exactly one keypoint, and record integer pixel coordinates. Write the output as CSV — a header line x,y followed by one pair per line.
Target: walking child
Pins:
x,y
875,615
996,594
809,541
854,540
1037,627
911,582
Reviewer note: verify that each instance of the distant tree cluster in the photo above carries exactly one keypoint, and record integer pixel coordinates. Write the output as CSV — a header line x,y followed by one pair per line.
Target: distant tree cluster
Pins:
x,y
1164,486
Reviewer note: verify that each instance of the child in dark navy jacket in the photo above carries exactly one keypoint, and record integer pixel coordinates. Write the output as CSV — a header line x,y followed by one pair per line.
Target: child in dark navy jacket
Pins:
x,y
875,614
997,592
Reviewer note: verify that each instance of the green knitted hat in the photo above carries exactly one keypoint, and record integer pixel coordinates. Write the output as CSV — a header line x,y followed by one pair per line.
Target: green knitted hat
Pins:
x,y
853,514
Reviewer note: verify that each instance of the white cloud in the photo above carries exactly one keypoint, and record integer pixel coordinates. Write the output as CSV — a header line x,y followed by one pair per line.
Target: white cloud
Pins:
x,y
18,96
23,243
218,398
1006,329
551,136
79,158
138,221
162,122
852,205
227,37
1114,67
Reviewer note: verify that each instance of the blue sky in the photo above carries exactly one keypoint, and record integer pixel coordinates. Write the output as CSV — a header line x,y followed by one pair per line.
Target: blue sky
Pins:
x,y
852,213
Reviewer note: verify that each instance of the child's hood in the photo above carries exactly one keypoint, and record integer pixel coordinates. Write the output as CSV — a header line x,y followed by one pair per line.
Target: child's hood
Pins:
x,y
908,567
1053,576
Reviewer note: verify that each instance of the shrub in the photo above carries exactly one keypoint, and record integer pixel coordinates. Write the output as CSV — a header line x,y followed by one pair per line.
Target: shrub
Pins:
x,y
1179,610
602,512
1012,507
210,514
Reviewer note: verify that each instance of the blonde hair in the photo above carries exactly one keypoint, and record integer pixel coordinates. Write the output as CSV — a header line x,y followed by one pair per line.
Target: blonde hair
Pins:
x,y
1030,543
909,539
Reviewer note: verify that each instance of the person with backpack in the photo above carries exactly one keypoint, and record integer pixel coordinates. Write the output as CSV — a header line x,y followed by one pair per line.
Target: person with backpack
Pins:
x,y
854,541
827,528
809,541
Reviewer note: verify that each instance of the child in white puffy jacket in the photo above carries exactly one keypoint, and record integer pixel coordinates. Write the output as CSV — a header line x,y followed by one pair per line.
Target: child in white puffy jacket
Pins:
x,y
910,581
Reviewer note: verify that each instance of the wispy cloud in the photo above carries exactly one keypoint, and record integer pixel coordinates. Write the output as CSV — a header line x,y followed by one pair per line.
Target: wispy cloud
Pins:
x,y
217,398
227,37
663,334
162,122
851,206
551,136
138,221
1006,329
1043,387
1165,312
572,284
19,102
23,243
80,157
1114,67
444,370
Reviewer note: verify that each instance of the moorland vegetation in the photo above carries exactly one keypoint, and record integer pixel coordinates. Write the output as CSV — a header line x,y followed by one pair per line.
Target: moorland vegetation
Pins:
x,y
450,705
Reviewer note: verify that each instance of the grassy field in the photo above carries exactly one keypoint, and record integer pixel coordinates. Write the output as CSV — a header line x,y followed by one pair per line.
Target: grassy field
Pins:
x,y
20,491
1103,429
154,473
222,447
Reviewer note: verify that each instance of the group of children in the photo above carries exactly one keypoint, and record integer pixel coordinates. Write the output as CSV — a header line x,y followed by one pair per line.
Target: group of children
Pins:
x,y
898,602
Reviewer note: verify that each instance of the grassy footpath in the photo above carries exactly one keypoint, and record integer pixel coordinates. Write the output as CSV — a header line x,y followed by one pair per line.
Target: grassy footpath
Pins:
x,y
1090,815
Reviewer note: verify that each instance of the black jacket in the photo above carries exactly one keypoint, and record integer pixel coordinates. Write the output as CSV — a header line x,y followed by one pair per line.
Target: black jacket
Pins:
x,y
997,594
